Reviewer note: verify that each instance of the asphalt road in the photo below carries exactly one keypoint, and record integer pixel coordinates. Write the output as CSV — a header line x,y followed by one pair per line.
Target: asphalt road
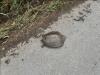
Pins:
x,y
80,54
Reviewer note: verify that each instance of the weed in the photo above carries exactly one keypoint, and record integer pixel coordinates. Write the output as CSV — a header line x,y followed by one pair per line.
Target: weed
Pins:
x,y
3,33
54,5
29,16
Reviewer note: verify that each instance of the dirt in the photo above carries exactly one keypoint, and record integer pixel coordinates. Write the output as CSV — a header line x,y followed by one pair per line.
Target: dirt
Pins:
x,y
20,36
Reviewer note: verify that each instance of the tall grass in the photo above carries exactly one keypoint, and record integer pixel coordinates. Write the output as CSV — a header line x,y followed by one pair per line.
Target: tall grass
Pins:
x,y
29,16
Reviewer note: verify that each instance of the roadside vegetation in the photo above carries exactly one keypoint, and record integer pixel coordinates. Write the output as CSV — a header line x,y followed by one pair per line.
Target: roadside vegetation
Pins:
x,y
30,12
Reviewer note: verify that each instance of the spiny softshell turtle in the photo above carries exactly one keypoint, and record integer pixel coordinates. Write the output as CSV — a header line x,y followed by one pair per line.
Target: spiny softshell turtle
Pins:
x,y
53,39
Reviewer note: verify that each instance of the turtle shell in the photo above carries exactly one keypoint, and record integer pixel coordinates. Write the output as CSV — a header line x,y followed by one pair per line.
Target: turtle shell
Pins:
x,y
53,39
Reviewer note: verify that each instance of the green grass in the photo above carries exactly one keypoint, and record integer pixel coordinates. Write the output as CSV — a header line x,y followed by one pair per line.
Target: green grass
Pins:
x,y
4,33
29,16
54,5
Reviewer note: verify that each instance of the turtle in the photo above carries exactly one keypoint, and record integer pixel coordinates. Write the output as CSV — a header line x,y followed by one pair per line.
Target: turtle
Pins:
x,y
53,39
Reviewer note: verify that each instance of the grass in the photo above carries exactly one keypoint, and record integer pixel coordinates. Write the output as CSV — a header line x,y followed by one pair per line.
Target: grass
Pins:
x,y
7,6
29,16
54,5
3,33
